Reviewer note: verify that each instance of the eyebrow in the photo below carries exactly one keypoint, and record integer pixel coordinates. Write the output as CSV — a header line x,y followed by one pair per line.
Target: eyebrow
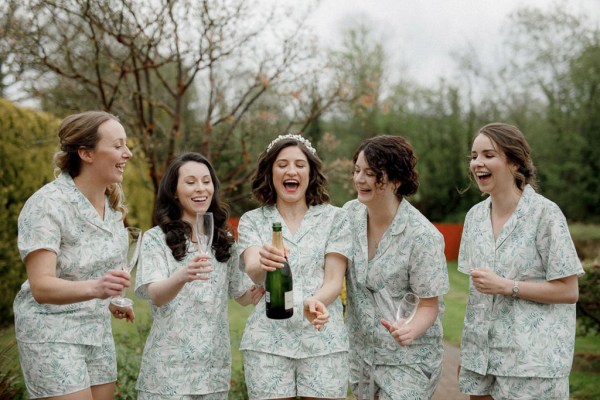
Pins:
x,y
288,160
194,176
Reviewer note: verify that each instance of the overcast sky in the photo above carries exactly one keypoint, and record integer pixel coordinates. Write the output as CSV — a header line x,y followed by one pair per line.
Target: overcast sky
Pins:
x,y
421,34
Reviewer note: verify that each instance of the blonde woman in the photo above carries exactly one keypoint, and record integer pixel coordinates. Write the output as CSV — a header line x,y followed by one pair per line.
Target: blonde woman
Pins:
x,y
72,239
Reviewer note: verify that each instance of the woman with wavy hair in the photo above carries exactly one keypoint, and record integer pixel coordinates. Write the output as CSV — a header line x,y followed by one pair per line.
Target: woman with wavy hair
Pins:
x,y
305,357
187,352
72,240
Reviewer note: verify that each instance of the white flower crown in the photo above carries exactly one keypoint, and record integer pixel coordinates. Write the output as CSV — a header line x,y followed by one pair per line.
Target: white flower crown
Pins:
x,y
298,138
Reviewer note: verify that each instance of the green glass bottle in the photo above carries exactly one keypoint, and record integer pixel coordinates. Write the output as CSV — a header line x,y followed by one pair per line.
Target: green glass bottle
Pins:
x,y
279,284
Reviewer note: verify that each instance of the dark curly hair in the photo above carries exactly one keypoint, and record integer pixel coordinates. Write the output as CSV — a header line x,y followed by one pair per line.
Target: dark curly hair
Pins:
x,y
392,156
167,212
262,179
513,144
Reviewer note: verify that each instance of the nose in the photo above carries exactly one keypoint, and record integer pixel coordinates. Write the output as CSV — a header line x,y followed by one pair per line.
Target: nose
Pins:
x,y
291,170
477,161
128,154
359,176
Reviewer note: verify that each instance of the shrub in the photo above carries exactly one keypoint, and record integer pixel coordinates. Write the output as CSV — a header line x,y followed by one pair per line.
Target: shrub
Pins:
x,y
11,384
129,348
588,306
27,143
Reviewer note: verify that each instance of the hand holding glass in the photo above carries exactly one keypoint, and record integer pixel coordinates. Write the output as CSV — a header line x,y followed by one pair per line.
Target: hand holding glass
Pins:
x,y
204,231
478,299
134,236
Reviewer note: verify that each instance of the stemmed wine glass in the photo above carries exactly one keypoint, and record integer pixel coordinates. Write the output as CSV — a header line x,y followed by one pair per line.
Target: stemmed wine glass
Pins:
x,y
407,308
204,231
134,236
398,313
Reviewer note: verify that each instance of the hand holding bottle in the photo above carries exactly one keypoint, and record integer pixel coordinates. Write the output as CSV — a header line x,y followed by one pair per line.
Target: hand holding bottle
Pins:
x,y
271,258
279,295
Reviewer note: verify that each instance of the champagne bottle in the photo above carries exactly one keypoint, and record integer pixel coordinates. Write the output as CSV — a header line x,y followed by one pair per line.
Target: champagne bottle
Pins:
x,y
278,284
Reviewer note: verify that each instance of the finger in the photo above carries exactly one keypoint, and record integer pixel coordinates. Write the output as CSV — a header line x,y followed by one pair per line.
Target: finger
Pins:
x,y
387,325
269,265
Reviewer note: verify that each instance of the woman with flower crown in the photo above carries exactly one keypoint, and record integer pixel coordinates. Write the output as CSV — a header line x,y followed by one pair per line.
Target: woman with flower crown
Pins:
x,y
305,355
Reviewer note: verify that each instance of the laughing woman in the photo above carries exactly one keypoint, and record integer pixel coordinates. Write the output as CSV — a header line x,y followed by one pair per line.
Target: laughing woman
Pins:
x,y
72,238
289,358
519,330
187,353
396,251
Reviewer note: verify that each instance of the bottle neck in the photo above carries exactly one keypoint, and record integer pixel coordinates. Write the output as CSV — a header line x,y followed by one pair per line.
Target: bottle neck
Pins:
x,y
278,241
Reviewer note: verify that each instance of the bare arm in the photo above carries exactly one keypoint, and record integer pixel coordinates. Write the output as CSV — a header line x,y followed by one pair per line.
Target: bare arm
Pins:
x,y
335,269
557,291
251,296
162,292
425,316
315,307
47,288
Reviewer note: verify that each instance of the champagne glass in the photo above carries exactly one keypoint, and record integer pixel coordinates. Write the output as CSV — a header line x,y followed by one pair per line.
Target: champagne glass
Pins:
x,y
407,309
204,231
134,236
394,311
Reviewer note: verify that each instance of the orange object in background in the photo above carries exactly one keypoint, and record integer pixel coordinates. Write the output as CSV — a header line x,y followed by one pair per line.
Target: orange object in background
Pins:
x,y
452,234
234,222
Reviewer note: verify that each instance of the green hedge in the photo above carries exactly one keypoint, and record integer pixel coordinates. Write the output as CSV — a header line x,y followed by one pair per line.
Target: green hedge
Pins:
x,y
27,143
588,306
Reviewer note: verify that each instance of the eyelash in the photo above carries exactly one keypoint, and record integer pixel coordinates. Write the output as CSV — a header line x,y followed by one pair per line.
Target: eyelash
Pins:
x,y
486,156
285,166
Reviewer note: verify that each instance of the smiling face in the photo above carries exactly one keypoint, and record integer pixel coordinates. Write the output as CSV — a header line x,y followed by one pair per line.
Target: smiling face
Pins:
x,y
369,191
110,155
195,189
291,172
490,168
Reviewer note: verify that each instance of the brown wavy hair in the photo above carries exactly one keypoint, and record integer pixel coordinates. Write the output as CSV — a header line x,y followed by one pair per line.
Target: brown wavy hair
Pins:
x,y
167,212
391,156
79,131
513,144
262,179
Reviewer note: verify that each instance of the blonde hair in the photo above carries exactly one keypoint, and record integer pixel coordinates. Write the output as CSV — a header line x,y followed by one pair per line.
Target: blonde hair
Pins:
x,y
79,131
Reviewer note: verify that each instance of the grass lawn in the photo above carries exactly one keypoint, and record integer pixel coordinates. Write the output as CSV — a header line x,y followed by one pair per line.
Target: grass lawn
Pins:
x,y
456,302
130,339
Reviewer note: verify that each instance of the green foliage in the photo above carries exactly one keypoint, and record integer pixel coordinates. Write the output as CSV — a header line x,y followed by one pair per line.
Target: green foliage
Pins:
x,y
588,306
584,385
11,385
129,346
27,143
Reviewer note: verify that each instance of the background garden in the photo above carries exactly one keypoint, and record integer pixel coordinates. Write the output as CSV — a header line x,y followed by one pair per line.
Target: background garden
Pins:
x,y
195,75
